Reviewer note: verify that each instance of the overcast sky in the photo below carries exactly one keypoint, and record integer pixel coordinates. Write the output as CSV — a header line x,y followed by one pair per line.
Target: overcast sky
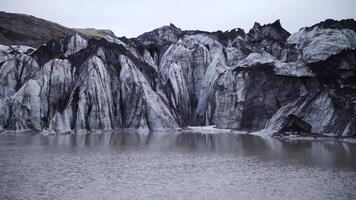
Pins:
x,y
132,17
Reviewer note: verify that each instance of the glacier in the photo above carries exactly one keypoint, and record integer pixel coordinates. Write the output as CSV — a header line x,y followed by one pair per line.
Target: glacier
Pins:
x,y
170,78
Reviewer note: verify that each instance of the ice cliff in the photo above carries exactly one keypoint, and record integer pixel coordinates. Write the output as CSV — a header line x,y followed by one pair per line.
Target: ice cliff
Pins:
x,y
169,78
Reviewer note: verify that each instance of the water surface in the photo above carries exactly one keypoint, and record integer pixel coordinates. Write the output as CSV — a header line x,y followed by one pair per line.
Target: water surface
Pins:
x,y
116,165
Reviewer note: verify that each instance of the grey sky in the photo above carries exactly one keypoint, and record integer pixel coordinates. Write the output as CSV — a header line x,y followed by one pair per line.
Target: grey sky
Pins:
x,y
133,17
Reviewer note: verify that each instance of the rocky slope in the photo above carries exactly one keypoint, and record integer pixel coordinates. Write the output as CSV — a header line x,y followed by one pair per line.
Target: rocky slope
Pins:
x,y
95,33
21,29
170,78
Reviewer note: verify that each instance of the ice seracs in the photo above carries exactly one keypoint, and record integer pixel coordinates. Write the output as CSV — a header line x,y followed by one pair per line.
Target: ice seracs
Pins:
x,y
322,111
169,78
161,36
75,44
318,43
26,107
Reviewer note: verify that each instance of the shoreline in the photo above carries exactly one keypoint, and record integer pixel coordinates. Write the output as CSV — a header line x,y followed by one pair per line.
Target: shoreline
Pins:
x,y
193,130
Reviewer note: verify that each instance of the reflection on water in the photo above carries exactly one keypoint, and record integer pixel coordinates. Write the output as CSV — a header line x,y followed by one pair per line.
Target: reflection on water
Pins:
x,y
315,153
116,165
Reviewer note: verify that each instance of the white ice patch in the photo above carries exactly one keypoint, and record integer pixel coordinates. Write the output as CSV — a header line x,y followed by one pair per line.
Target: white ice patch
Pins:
x,y
76,43
191,40
216,67
61,121
159,115
19,48
296,69
15,71
27,106
206,130
321,113
319,44
120,42
149,60
254,59
241,86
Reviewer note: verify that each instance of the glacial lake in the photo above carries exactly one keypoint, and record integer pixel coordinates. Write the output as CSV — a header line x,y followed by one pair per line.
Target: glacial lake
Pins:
x,y
115,165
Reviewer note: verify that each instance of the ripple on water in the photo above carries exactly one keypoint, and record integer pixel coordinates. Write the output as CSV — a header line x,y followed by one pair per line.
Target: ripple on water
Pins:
x,y
162,166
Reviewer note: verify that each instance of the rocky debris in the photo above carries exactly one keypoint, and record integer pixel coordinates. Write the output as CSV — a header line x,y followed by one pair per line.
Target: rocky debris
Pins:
x,y
338,71
59,48
273,31
169,78
271,38
293,123
335,24
330,112
226,38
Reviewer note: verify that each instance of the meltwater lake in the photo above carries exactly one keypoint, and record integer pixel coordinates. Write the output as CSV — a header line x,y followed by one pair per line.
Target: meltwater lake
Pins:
x,y
117,165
